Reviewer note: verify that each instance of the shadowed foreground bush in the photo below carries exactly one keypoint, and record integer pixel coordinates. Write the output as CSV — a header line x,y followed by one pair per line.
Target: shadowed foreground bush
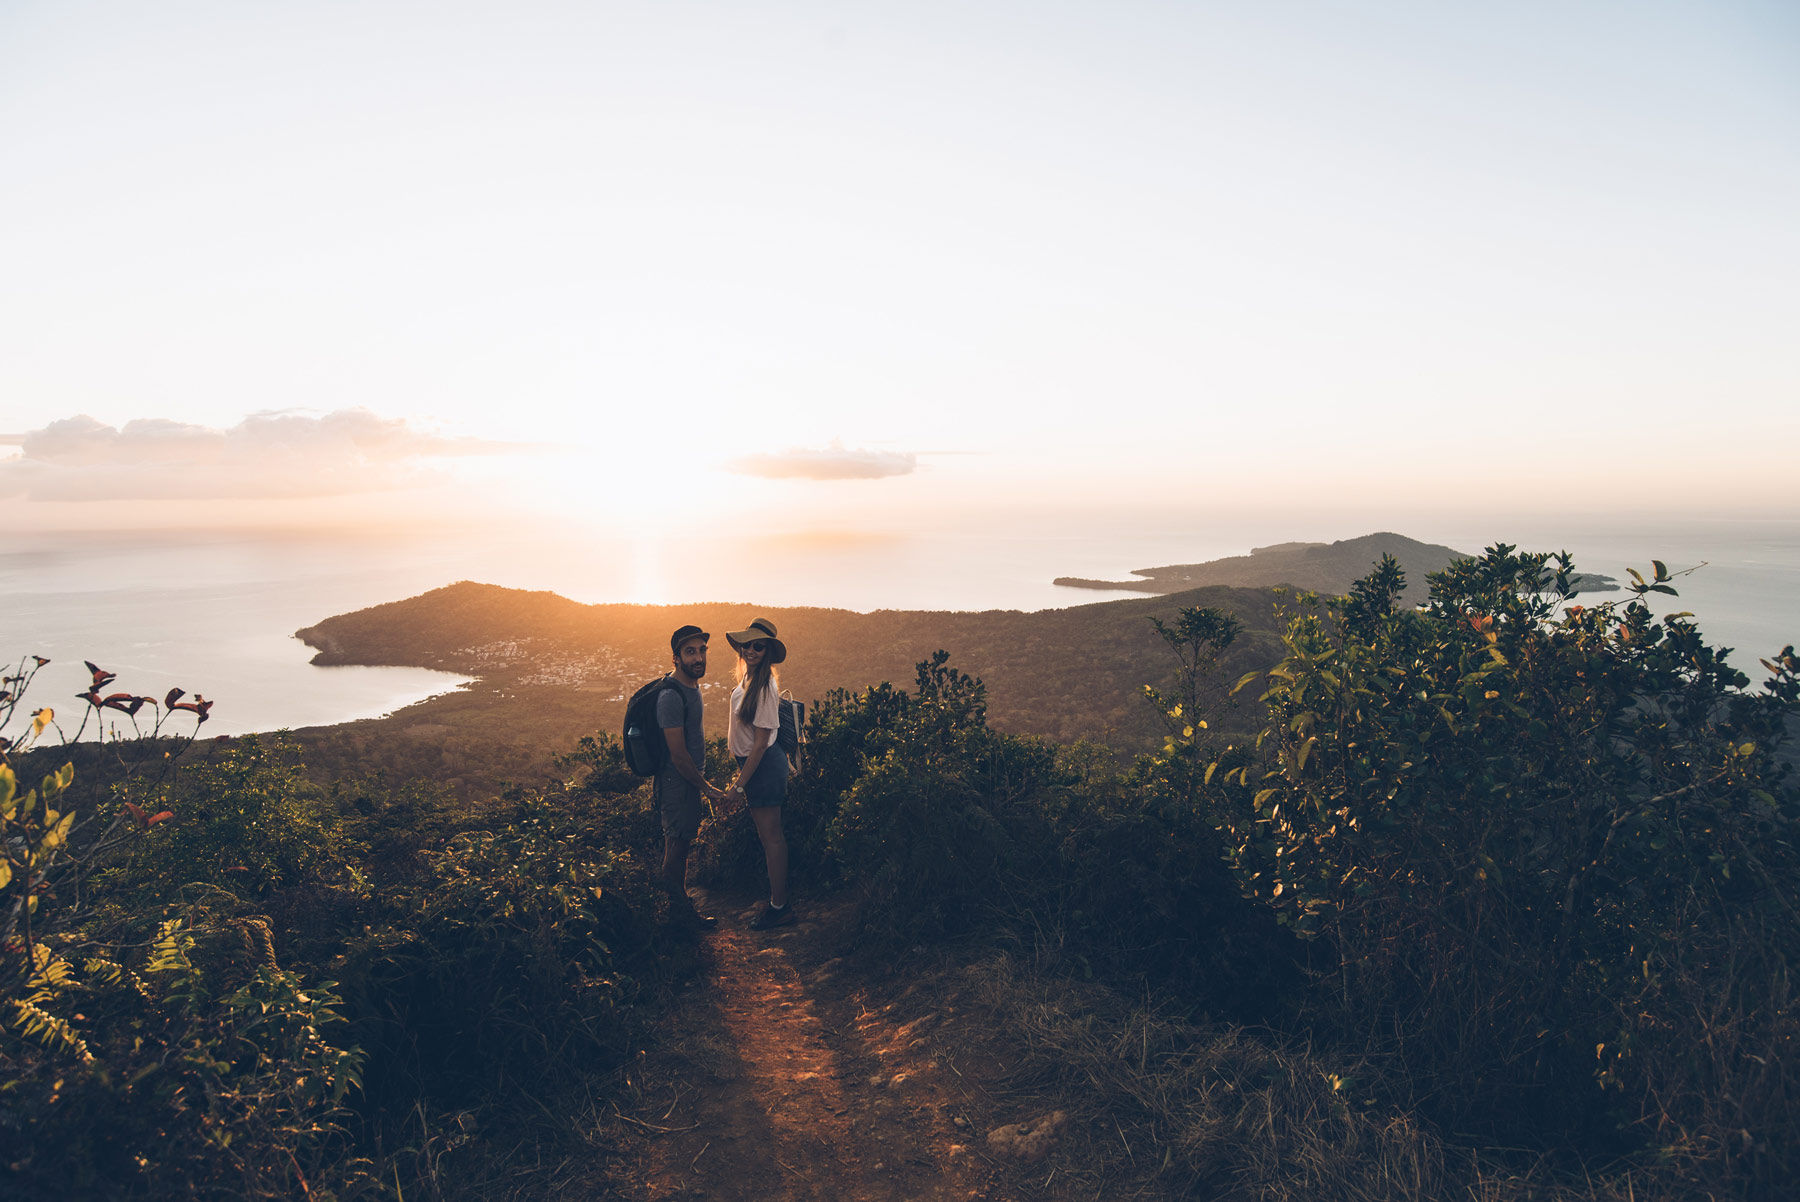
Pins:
x,y
1550,853
239,1001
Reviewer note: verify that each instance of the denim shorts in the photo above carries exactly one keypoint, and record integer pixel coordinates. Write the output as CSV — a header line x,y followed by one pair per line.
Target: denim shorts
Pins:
x,y
769,786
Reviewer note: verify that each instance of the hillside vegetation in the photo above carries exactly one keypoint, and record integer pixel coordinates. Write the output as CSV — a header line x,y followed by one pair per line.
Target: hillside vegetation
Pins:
x,y
1492,898
552,670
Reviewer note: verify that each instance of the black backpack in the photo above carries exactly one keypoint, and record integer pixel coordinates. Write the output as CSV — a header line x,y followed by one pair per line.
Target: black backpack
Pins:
x,y
646,748
792,731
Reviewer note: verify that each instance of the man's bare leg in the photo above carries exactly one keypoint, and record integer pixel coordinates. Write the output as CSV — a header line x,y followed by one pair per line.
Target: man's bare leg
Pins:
x,y
674,865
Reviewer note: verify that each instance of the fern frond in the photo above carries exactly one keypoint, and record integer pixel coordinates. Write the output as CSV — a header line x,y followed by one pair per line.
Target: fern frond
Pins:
x,y
32,1022
110,975
50,977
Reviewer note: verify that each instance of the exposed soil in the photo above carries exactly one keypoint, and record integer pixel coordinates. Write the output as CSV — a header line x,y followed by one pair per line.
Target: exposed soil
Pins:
x,y
784,1073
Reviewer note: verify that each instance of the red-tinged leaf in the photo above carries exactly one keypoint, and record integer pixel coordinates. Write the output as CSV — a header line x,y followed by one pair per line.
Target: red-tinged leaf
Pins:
x,y
174,696
101,675
162,817
41,661
137,814
92,697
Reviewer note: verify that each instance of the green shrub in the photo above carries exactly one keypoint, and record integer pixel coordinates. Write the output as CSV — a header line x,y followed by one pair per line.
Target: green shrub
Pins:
x,y
940,822
196,1066
503,964
147,1058
937,820
389,825
245,819
164,1028
1551,849
1139,887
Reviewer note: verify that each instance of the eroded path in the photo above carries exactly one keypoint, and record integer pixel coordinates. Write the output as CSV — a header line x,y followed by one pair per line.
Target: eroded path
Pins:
x,y
777,1078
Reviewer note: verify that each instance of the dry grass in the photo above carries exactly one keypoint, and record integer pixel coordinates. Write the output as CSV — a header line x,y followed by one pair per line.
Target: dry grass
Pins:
x,y
1167,1109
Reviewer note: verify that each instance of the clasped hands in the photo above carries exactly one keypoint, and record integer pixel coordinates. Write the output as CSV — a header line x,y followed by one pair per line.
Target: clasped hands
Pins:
x,y
734,794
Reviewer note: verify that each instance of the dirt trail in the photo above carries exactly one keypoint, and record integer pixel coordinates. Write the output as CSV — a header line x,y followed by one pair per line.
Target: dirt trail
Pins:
x,y
779,1078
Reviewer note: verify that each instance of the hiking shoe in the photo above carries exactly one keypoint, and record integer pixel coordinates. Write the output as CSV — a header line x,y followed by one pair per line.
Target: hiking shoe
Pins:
x,y
683,914
771,917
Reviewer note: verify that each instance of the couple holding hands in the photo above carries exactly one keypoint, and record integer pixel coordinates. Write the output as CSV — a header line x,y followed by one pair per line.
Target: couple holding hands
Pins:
x,y
761,781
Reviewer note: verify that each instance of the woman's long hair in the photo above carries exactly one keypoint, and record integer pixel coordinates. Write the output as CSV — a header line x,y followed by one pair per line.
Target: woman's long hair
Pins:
x,y
754,683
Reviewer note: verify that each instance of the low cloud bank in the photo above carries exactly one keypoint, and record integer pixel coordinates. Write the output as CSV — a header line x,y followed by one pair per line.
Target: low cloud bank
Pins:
x,y
835,462
267,455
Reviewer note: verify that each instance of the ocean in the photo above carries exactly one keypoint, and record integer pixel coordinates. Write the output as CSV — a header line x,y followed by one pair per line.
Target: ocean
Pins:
x,y
214,612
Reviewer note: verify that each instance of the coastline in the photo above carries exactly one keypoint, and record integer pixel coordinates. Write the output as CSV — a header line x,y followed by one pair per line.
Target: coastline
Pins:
x,y
215,615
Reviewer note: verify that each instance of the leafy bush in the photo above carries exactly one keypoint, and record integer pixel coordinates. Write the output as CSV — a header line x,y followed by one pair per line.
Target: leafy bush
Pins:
x,y
175,1064
1138,887
147,1056
207,1070
939,821
1552,850
502,964
245,819
934,825
164,1028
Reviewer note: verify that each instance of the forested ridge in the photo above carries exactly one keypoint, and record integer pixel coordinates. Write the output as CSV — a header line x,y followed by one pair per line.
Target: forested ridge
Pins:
x,y
1493,897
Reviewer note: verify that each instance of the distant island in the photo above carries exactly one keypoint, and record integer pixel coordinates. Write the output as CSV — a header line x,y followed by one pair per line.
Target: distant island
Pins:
x,y
1328,568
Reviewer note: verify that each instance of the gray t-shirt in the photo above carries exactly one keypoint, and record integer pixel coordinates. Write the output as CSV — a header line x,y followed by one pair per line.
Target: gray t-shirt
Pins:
x,y
672,711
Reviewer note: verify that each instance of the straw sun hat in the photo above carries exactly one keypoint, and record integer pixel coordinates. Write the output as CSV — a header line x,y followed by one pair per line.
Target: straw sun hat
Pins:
x,y
764,630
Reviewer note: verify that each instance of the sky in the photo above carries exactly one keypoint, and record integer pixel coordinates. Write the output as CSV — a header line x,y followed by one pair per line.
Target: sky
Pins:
x,y
812,265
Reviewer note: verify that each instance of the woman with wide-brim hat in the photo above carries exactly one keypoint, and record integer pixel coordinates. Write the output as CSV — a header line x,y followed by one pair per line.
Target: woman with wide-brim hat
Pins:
x,y
755,719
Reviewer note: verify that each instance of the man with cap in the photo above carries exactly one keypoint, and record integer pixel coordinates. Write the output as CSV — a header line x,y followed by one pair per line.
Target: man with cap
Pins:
x,y
679,784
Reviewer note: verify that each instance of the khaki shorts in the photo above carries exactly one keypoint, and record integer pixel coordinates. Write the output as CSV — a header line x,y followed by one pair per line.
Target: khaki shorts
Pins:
x,y
680,808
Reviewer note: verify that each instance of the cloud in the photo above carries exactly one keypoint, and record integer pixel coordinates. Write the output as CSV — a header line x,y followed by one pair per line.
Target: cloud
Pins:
x,y
273,454
835,462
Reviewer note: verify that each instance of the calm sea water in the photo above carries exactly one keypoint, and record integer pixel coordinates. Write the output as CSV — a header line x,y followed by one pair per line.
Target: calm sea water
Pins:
x,y
215,613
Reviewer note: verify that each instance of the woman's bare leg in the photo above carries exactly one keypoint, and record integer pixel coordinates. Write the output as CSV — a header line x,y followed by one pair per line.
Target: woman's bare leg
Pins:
x,y
774,841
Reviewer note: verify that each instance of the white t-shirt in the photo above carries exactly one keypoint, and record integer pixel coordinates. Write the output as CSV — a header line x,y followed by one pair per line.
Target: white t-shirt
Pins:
x,y
742,738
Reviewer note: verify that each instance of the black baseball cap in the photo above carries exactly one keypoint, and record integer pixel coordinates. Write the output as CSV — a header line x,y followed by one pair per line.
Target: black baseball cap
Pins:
x,y
684,634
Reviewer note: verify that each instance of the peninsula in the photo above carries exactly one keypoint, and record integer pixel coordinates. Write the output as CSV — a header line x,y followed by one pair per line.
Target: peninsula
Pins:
x,y
1328,568
548,670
